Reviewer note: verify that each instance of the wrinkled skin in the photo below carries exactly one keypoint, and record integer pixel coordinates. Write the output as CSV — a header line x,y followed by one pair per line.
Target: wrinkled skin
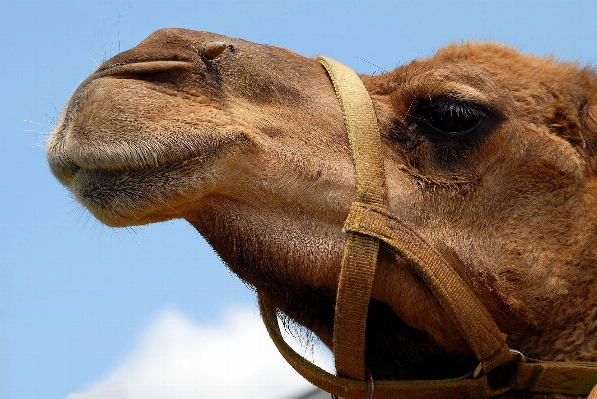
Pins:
x,y
251,149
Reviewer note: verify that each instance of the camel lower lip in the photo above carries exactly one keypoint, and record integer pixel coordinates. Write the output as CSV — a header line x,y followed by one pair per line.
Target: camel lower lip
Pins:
x,y
93,183
113,195
90,181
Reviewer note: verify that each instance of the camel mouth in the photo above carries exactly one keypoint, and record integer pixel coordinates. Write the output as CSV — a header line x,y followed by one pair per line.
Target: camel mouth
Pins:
x,y
112,196
106,171
109,186
67,159
106,175
89,134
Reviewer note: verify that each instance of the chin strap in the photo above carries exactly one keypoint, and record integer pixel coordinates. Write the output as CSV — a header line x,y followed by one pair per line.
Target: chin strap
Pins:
x,y
368,224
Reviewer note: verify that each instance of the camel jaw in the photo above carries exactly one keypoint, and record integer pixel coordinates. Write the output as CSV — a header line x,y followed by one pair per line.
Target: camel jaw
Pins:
x,y
105,171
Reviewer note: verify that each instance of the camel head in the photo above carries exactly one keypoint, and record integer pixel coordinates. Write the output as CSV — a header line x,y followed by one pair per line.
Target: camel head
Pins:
x,y
490,154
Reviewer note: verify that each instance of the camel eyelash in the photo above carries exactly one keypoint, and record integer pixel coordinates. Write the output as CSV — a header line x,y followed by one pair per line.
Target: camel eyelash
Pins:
x,y
449,117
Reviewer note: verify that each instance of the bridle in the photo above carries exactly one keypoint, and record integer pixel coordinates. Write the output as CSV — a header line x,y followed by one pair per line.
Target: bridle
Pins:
x,y
368,224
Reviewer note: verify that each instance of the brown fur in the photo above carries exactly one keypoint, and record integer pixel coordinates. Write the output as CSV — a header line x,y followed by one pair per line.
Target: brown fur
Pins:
x,y
251,149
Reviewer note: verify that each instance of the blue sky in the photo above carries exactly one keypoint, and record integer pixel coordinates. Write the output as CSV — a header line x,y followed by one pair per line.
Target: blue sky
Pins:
x,y
78,300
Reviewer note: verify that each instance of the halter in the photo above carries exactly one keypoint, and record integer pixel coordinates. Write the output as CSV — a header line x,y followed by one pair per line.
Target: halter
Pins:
x,y
370,223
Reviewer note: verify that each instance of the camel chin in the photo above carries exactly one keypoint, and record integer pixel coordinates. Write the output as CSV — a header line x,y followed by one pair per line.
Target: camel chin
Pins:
x,y
489,154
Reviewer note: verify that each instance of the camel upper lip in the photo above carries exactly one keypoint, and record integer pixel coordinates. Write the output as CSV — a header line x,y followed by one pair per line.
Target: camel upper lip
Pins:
x,y
63,163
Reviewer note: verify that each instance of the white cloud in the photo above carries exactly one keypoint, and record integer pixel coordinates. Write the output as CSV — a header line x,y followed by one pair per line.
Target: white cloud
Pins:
x,y
178,358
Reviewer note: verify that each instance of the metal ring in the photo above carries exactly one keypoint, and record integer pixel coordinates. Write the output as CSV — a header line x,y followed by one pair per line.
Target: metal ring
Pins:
x,y
479,369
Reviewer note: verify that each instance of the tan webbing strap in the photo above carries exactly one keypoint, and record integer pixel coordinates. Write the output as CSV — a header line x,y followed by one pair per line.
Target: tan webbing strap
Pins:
x,y
455,297
353,389
569,378
360,252
352,304
363,132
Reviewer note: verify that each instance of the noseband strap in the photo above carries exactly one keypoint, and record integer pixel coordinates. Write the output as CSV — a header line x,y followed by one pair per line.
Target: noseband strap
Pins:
x,y
370,223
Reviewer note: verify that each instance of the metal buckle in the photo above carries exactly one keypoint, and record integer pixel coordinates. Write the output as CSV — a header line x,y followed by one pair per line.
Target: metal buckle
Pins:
x,y
502,375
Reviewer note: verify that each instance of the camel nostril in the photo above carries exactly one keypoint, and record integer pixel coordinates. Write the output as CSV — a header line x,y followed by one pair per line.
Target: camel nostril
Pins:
x,y
214,49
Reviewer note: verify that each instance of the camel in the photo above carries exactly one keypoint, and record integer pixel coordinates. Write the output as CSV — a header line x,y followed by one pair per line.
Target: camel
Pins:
x,y
490,155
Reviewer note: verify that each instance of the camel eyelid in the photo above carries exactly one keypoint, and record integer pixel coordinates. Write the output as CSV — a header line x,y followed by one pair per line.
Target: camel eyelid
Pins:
x,y
463,93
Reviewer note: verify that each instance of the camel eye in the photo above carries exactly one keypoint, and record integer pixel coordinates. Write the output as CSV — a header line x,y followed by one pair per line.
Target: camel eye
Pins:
x,y
450,117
